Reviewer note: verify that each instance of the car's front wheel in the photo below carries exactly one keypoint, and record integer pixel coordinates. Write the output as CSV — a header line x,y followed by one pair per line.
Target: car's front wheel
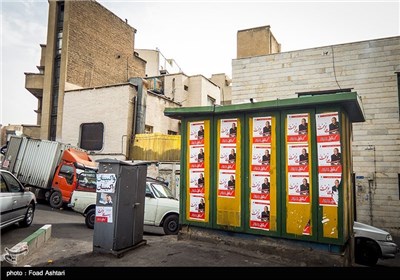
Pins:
x,y
171,224
90,217
30,212
366,252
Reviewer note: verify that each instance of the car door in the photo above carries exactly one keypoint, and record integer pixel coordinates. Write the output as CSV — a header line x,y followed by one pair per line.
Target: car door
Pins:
x,y
150,206
15,196
6,202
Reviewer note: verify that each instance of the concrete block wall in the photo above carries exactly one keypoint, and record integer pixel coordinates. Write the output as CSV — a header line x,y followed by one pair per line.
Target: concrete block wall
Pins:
x,y
369,67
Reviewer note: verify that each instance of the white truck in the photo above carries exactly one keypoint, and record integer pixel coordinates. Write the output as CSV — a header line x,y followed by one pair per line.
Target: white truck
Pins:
x,y
161,207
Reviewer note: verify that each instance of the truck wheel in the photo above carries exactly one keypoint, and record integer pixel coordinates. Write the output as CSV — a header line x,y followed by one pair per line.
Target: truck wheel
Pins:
x,y
90,217
27,221
171,225
56,200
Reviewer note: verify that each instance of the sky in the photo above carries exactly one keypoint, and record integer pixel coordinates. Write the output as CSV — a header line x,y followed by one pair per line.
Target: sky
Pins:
x,y
199,35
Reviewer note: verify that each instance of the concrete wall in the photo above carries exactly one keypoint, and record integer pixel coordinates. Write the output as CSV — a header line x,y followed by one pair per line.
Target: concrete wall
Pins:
x,y
152,59
155,106
199,88
224,83
369,67
113,106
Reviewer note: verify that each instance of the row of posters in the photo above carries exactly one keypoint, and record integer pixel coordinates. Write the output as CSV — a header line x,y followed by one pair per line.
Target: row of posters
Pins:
x,y
329,158
261,154
227,158
197,180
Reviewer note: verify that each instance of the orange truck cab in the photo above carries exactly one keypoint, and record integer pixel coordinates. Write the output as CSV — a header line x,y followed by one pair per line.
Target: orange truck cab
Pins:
x,y
74,168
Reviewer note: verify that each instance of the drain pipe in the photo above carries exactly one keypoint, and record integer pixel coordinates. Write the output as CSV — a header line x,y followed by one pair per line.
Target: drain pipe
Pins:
x,y
140,106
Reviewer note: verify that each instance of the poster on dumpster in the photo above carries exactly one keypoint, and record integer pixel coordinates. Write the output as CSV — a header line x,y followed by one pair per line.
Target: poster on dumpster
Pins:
x,y
329,158
262,129
196,156
260,186
106,182
298,157
328,129
297,128
196,133
197,183
299,188
226,184
260,214
197,207
228,131
261,157
104,214
329,185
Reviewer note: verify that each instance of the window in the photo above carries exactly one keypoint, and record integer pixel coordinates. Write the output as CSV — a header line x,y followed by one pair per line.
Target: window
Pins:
x,y
210,100
170,132
185,87
12,183
92,136
67,172
398,89
148,129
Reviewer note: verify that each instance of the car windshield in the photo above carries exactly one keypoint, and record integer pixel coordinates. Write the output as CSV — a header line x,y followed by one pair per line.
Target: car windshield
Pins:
x,y
161,191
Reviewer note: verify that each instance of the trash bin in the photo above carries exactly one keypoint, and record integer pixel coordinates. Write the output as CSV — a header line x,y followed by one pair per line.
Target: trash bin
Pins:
x,y
119,206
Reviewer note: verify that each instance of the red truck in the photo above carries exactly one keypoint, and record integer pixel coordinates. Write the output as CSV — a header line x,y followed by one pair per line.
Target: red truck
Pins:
x,y
51,169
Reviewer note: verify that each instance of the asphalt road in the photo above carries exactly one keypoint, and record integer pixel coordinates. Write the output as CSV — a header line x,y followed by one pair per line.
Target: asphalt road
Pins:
x,y
71,246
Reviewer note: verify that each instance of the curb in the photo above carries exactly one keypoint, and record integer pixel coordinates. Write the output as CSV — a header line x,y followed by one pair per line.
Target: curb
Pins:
x,y
18,253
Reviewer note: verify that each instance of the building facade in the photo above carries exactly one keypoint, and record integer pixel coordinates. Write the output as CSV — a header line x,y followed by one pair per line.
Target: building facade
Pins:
x,y
157,63
87,46
370,68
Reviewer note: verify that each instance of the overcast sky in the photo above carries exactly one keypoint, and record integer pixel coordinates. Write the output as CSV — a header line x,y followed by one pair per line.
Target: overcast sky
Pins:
x,y
200,35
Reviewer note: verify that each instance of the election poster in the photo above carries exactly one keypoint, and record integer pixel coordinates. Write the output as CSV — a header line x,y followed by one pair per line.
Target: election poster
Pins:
x,y
262,130
297,128
260,215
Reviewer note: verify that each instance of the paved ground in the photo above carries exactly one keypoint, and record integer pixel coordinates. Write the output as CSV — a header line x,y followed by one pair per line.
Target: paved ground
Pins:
x,y
71,246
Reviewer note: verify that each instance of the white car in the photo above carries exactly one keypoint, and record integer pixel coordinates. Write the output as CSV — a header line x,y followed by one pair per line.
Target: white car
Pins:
x,y
161,207
372,243
17,204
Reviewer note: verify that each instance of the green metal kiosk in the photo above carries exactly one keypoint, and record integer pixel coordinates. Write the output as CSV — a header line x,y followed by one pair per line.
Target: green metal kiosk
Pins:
x,y
279,168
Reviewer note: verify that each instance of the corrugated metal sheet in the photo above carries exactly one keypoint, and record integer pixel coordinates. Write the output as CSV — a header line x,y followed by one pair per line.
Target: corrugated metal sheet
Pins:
x,y
156,146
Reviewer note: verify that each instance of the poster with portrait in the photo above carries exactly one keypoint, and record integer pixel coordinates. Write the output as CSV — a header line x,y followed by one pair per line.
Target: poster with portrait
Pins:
x,y
329,158
106,182
261,157
328,129
197,182
104,214
297,128
227,157
260,186
228,131
262,129
299,188
196,133
260,214
196,156
106,199
226,183
197,207
298,157
329,187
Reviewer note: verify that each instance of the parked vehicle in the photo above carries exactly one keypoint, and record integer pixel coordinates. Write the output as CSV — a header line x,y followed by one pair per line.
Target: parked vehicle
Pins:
x,y
161,207
372,243
17,204
49,168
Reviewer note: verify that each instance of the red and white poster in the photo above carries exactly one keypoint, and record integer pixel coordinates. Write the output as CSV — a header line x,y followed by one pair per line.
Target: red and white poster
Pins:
x,y
298,157
228,131
329,158
299,188
196,156
261,157
262,129
260,214
328,129
297,128
197,207
227,183
196,133
104,214
197,182
329,189
260,186
227,157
